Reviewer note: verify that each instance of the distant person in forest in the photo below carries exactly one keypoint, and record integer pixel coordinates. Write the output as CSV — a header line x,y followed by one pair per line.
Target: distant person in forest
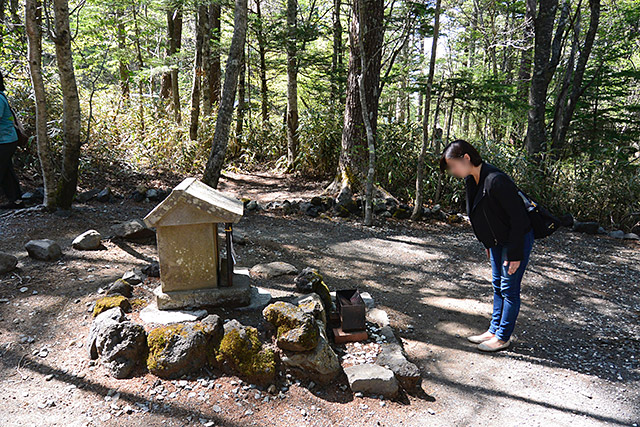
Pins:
x,y
8,145
500,221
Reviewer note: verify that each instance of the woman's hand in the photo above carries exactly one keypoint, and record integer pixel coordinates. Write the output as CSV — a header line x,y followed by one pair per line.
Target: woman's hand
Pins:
x,y
513,266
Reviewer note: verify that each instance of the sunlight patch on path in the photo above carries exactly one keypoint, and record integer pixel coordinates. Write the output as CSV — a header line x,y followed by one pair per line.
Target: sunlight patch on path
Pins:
x,y
500,389
381,250
466,305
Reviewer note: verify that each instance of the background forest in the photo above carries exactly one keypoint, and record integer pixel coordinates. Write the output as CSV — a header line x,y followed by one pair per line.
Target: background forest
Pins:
x,y
549,91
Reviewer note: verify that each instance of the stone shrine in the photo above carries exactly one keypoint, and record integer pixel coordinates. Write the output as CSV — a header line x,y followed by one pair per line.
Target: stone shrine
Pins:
x,y
192,274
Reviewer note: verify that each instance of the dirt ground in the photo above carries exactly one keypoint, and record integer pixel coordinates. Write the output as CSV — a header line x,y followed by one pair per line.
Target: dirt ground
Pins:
x,y
575,363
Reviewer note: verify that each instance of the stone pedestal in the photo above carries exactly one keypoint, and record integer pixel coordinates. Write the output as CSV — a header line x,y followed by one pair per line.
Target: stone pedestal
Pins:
x,y
238,295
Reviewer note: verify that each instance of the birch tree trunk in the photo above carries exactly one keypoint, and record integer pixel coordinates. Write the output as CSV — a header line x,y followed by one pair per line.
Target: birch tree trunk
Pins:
x,y
33,26
70,106
221,135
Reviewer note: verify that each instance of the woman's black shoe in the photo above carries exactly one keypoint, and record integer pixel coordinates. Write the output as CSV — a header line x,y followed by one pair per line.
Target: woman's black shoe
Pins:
x,y
16,204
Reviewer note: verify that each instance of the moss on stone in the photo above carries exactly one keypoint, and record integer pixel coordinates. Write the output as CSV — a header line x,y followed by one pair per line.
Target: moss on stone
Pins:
x,y
295,329
284,316
246,355
106,303
300,339
157,341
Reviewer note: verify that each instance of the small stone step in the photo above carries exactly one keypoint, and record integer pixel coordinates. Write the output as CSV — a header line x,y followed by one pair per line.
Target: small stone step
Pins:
x,y
372,379
341,337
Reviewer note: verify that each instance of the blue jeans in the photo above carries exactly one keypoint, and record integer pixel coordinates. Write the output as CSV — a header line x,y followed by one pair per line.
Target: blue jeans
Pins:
x,y
506,289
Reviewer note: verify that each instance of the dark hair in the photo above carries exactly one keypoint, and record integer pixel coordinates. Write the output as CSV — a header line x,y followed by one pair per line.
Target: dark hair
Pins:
x,y
1,82
457,149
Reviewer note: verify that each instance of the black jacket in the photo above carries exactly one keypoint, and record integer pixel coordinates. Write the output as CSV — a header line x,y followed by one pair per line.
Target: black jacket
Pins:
x,y
497,212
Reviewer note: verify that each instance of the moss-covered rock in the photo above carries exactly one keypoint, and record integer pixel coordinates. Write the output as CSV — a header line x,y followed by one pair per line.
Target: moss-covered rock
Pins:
x,y
295,329
106,303
182,348
242,352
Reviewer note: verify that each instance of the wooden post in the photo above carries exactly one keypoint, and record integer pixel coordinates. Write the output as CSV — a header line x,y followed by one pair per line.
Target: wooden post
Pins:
x,y
229,235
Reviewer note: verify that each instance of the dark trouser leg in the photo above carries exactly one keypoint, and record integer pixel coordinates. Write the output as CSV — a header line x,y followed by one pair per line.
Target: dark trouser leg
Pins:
x,y
8,179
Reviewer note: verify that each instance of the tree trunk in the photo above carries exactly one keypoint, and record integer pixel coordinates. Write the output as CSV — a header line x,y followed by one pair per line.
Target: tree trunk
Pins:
x,y
205,85
362,86
122,65
262,52
565,106
526,57
352,161
450,119
417,208
70,106
201,24
33,26
221,135
242,93
336,57
524,73
545,60
140,67
292,84
169,84
214,67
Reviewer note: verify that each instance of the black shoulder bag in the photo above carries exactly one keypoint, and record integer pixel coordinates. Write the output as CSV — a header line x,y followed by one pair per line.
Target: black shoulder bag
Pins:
x,y
544,222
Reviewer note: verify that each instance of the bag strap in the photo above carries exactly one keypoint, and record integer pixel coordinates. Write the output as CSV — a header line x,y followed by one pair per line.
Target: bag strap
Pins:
x,y
529,204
